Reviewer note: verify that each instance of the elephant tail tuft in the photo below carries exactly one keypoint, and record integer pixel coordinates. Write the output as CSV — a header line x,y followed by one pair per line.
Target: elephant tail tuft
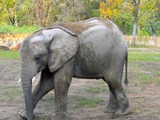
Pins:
x,y
126,70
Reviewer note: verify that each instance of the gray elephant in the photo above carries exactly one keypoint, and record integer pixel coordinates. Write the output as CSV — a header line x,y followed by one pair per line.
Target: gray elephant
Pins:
x,y
90,49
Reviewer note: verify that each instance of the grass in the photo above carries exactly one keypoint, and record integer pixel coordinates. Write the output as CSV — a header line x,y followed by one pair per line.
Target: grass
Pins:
x,y
13,29
149,78
50,97
96,90
144,56
9,54
10,93
88,102
145,78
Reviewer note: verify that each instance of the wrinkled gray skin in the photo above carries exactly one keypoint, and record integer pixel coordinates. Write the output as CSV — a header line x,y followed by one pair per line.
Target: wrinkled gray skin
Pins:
x,y
90,49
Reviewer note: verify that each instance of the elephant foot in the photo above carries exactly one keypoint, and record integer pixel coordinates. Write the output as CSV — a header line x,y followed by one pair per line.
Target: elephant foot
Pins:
x,y
24,115
110,109
121,111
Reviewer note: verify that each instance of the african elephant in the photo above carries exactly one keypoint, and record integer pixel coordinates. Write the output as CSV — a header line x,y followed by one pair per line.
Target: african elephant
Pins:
x,y
90,49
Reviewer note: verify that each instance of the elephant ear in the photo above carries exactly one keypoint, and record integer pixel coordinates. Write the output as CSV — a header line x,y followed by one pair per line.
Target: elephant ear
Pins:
x,y
63,47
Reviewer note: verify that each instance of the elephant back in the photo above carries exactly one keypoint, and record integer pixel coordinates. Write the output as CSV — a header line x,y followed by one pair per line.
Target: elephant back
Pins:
x,y
77,28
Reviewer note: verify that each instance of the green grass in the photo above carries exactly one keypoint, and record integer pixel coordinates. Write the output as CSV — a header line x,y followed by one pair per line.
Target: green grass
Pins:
x,y
10,93
50,97
13,29
144,56
9,54
149,78
145,78
88,102
97,89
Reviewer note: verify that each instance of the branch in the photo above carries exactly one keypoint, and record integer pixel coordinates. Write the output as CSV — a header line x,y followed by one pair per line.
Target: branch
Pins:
x,y
2,7
134,2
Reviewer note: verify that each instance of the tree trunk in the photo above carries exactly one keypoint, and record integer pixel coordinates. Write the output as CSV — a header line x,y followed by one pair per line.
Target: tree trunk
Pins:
x,y
38,12
134,34
136,5
16,23
2,8
12,21
47,17
154,34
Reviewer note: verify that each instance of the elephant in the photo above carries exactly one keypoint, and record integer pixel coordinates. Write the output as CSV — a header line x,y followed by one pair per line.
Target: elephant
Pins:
x,y
90,49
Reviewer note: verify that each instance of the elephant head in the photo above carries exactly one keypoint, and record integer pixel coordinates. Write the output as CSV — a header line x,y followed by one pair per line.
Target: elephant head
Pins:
x,y
51,48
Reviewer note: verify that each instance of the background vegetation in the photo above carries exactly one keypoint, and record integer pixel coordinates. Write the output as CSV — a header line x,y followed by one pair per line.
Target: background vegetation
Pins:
x,y
134,17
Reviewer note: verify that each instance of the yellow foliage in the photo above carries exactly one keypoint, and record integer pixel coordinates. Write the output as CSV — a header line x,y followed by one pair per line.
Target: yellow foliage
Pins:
x,y
156,9
109,8
102,9
109,12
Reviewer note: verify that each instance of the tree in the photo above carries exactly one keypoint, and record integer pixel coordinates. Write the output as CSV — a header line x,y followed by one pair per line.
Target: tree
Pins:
x,y
125,18
70,10
145,15
153,18
110,9
1,5
115,10
132,16
136,10
10,9
91,8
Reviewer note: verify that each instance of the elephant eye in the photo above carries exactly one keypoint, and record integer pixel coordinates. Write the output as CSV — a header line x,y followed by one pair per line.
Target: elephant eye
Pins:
x,y
37,57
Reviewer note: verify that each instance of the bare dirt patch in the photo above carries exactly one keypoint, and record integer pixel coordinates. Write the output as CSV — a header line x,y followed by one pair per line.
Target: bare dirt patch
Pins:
x,y
87,98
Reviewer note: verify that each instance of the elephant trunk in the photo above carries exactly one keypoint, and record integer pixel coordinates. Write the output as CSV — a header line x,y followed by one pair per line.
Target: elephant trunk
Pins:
x,y
28,99
26,78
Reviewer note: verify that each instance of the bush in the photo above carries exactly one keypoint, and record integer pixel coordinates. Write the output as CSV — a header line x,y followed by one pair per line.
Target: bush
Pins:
x,y
13,29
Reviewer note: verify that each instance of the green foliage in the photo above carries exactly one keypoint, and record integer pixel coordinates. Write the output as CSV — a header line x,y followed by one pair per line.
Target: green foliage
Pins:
x,y
22,29
9,54
43,13
157,27
122,12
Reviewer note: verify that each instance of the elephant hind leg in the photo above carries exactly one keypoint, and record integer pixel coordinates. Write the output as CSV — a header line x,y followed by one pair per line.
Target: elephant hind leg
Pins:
x,y
123,103
113,102
118,102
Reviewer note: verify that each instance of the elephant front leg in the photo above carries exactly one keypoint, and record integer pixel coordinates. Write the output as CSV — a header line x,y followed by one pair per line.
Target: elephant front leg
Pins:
x,y
60,102
62,80
61,90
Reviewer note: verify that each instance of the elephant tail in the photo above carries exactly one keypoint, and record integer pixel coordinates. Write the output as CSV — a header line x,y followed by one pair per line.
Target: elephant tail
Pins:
x,y
126,69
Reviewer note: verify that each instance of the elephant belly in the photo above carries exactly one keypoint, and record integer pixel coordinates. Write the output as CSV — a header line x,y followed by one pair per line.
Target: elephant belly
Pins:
x,y
92,58
86,69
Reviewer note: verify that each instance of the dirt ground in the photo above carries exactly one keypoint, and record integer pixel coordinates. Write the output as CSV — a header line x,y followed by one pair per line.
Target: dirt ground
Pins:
x,y
143,94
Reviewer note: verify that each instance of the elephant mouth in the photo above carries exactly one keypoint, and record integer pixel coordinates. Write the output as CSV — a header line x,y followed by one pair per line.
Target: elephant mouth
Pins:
x,y
41,68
